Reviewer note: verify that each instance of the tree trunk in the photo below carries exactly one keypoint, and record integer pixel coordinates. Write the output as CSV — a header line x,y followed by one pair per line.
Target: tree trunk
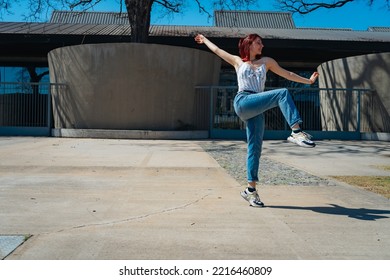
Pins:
x,y
139,19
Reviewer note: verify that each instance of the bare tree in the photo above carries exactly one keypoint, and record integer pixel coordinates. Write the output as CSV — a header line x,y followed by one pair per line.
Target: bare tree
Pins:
x,y
139,12
307,6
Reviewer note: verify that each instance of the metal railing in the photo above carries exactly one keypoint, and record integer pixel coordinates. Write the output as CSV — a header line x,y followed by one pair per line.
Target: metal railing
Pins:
x,y
25,108
326,112
333,113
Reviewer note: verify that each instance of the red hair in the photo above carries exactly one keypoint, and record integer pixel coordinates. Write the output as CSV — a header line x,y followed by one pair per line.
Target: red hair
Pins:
x,y
243,46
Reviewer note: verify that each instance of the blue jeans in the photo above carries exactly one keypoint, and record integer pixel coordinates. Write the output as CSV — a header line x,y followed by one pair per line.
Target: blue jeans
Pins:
x,y
250,107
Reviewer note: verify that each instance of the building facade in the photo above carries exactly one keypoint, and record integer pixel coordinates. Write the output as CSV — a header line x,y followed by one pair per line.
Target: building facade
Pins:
x,y
24,47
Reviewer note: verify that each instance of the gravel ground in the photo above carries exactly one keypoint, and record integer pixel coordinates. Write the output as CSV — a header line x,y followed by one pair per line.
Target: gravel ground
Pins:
x,y
231,155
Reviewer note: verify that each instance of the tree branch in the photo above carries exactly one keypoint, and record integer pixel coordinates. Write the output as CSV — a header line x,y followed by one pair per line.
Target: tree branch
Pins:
x,y
305,7
173,6
86,4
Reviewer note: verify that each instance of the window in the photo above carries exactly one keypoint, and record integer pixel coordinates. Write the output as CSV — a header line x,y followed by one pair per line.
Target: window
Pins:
x,y
14,79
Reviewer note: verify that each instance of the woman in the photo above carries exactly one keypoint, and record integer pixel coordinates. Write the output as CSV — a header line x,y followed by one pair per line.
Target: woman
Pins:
x,y
251,102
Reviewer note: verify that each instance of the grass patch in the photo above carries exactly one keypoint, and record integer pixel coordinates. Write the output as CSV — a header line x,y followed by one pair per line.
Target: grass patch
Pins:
x,y
376,184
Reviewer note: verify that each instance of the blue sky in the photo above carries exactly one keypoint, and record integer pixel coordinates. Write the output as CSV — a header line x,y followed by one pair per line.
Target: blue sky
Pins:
x,y
357,15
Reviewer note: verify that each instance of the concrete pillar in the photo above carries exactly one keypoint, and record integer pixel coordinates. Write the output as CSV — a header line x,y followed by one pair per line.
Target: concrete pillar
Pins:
x,y
370,71
129,86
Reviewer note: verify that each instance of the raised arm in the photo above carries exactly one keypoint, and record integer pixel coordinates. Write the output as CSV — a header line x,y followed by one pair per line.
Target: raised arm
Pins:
x,y
274,67
229,58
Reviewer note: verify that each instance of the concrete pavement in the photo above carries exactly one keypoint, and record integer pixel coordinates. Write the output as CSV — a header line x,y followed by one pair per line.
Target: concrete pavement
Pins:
x,y
151,199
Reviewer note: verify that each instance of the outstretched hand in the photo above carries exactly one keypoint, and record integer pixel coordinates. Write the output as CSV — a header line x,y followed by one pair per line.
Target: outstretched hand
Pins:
x,y
314,77
199,38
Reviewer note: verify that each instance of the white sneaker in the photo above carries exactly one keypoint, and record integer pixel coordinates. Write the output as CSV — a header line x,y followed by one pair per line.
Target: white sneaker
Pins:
x,y
302,139
253,198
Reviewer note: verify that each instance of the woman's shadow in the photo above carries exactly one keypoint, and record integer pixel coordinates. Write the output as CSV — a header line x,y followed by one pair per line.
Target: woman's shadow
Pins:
x,y
334,209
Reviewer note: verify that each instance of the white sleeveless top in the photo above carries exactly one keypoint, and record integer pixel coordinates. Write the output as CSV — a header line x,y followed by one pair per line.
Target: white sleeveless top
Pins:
x,y
251,78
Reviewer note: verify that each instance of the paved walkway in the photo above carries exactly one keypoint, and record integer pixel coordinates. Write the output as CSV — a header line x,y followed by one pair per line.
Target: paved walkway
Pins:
x,y
151,199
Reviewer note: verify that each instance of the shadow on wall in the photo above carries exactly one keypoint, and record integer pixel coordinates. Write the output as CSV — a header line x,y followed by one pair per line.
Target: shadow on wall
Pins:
x,y
129,86
359,72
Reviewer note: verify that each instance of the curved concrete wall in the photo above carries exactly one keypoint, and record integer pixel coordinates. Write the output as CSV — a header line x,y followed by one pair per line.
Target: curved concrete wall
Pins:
x,y
129,85
370,71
